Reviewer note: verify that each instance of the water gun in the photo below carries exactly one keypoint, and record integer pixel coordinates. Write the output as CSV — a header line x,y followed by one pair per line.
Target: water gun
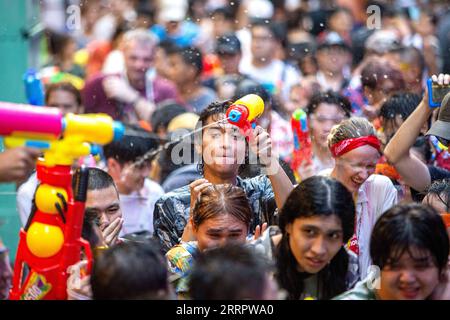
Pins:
x,y
51,240
302,140
34,88
436,93
244,112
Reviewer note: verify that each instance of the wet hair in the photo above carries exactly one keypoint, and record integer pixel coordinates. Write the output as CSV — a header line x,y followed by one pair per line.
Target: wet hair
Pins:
x,y
214,111
354,127
376,71
317,196
131,147
222,199
400,104
405,226
329,97
232,272
130,270
441,189
63,86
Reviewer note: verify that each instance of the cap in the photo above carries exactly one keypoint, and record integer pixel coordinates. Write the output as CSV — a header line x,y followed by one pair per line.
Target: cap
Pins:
x,y
441,128
332,39
228,44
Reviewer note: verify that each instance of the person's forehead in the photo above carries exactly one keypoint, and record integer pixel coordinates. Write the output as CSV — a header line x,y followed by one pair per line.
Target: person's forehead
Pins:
x,y
218,121
328,108
223,221
133,48
322,222
363,154
101,198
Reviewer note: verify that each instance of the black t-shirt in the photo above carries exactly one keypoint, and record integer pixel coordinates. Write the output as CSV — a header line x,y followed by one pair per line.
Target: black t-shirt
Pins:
x,y
436,173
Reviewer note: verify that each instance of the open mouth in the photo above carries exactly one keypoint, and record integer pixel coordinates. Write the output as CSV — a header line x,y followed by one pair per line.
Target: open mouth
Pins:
x,y
409,293
315,263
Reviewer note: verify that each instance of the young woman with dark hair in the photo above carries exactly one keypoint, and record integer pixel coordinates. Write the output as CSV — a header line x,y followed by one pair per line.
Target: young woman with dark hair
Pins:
x,y
221,215
308,247
410,246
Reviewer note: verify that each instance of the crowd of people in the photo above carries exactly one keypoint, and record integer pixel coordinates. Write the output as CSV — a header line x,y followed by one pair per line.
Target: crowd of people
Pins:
x,y
366,217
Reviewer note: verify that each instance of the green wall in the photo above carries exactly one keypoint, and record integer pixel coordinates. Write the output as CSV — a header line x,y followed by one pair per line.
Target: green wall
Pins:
x,y
15,17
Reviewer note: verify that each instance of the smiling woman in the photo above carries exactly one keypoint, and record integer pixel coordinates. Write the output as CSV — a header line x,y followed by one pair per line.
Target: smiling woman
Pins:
x,y
356,150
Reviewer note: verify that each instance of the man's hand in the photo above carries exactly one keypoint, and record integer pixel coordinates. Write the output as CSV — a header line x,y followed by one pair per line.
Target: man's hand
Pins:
x,y
17,164
259,230
117,88
196,189
261,145
111,232
441,79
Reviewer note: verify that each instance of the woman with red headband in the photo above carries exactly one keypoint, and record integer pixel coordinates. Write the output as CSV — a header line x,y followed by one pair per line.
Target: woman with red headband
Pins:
x,y
356,149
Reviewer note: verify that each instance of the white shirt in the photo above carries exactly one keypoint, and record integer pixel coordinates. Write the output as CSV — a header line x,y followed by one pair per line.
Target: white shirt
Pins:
x,y
137,208
277,73
25,195
375,196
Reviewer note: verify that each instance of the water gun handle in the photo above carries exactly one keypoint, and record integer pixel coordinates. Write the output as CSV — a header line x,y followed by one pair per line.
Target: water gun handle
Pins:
x,y
34,89
431,103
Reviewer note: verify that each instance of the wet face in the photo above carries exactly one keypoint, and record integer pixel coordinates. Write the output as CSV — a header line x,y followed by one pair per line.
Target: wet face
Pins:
x,y
103,206
355,167
263,44
138,59
223,147
64,100
322,120
314,241
413,277
219,231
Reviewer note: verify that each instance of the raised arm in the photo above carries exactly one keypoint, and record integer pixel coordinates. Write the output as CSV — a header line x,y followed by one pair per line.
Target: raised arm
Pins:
x,y
414,172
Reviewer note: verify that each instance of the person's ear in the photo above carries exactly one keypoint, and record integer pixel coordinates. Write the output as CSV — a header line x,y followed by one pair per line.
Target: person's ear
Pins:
x,y
289,228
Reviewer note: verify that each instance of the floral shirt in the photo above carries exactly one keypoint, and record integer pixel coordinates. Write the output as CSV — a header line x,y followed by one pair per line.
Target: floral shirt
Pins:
x,y
172,210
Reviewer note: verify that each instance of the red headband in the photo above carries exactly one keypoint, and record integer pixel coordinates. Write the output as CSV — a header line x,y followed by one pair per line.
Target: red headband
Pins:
x,y
344,146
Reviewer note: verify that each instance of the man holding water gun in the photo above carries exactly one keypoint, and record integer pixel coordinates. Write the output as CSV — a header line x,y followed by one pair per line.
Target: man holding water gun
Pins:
x,y
223,148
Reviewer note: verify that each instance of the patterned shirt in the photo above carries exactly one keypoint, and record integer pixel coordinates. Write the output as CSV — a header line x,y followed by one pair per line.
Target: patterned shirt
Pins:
x,y
180,259
172,210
